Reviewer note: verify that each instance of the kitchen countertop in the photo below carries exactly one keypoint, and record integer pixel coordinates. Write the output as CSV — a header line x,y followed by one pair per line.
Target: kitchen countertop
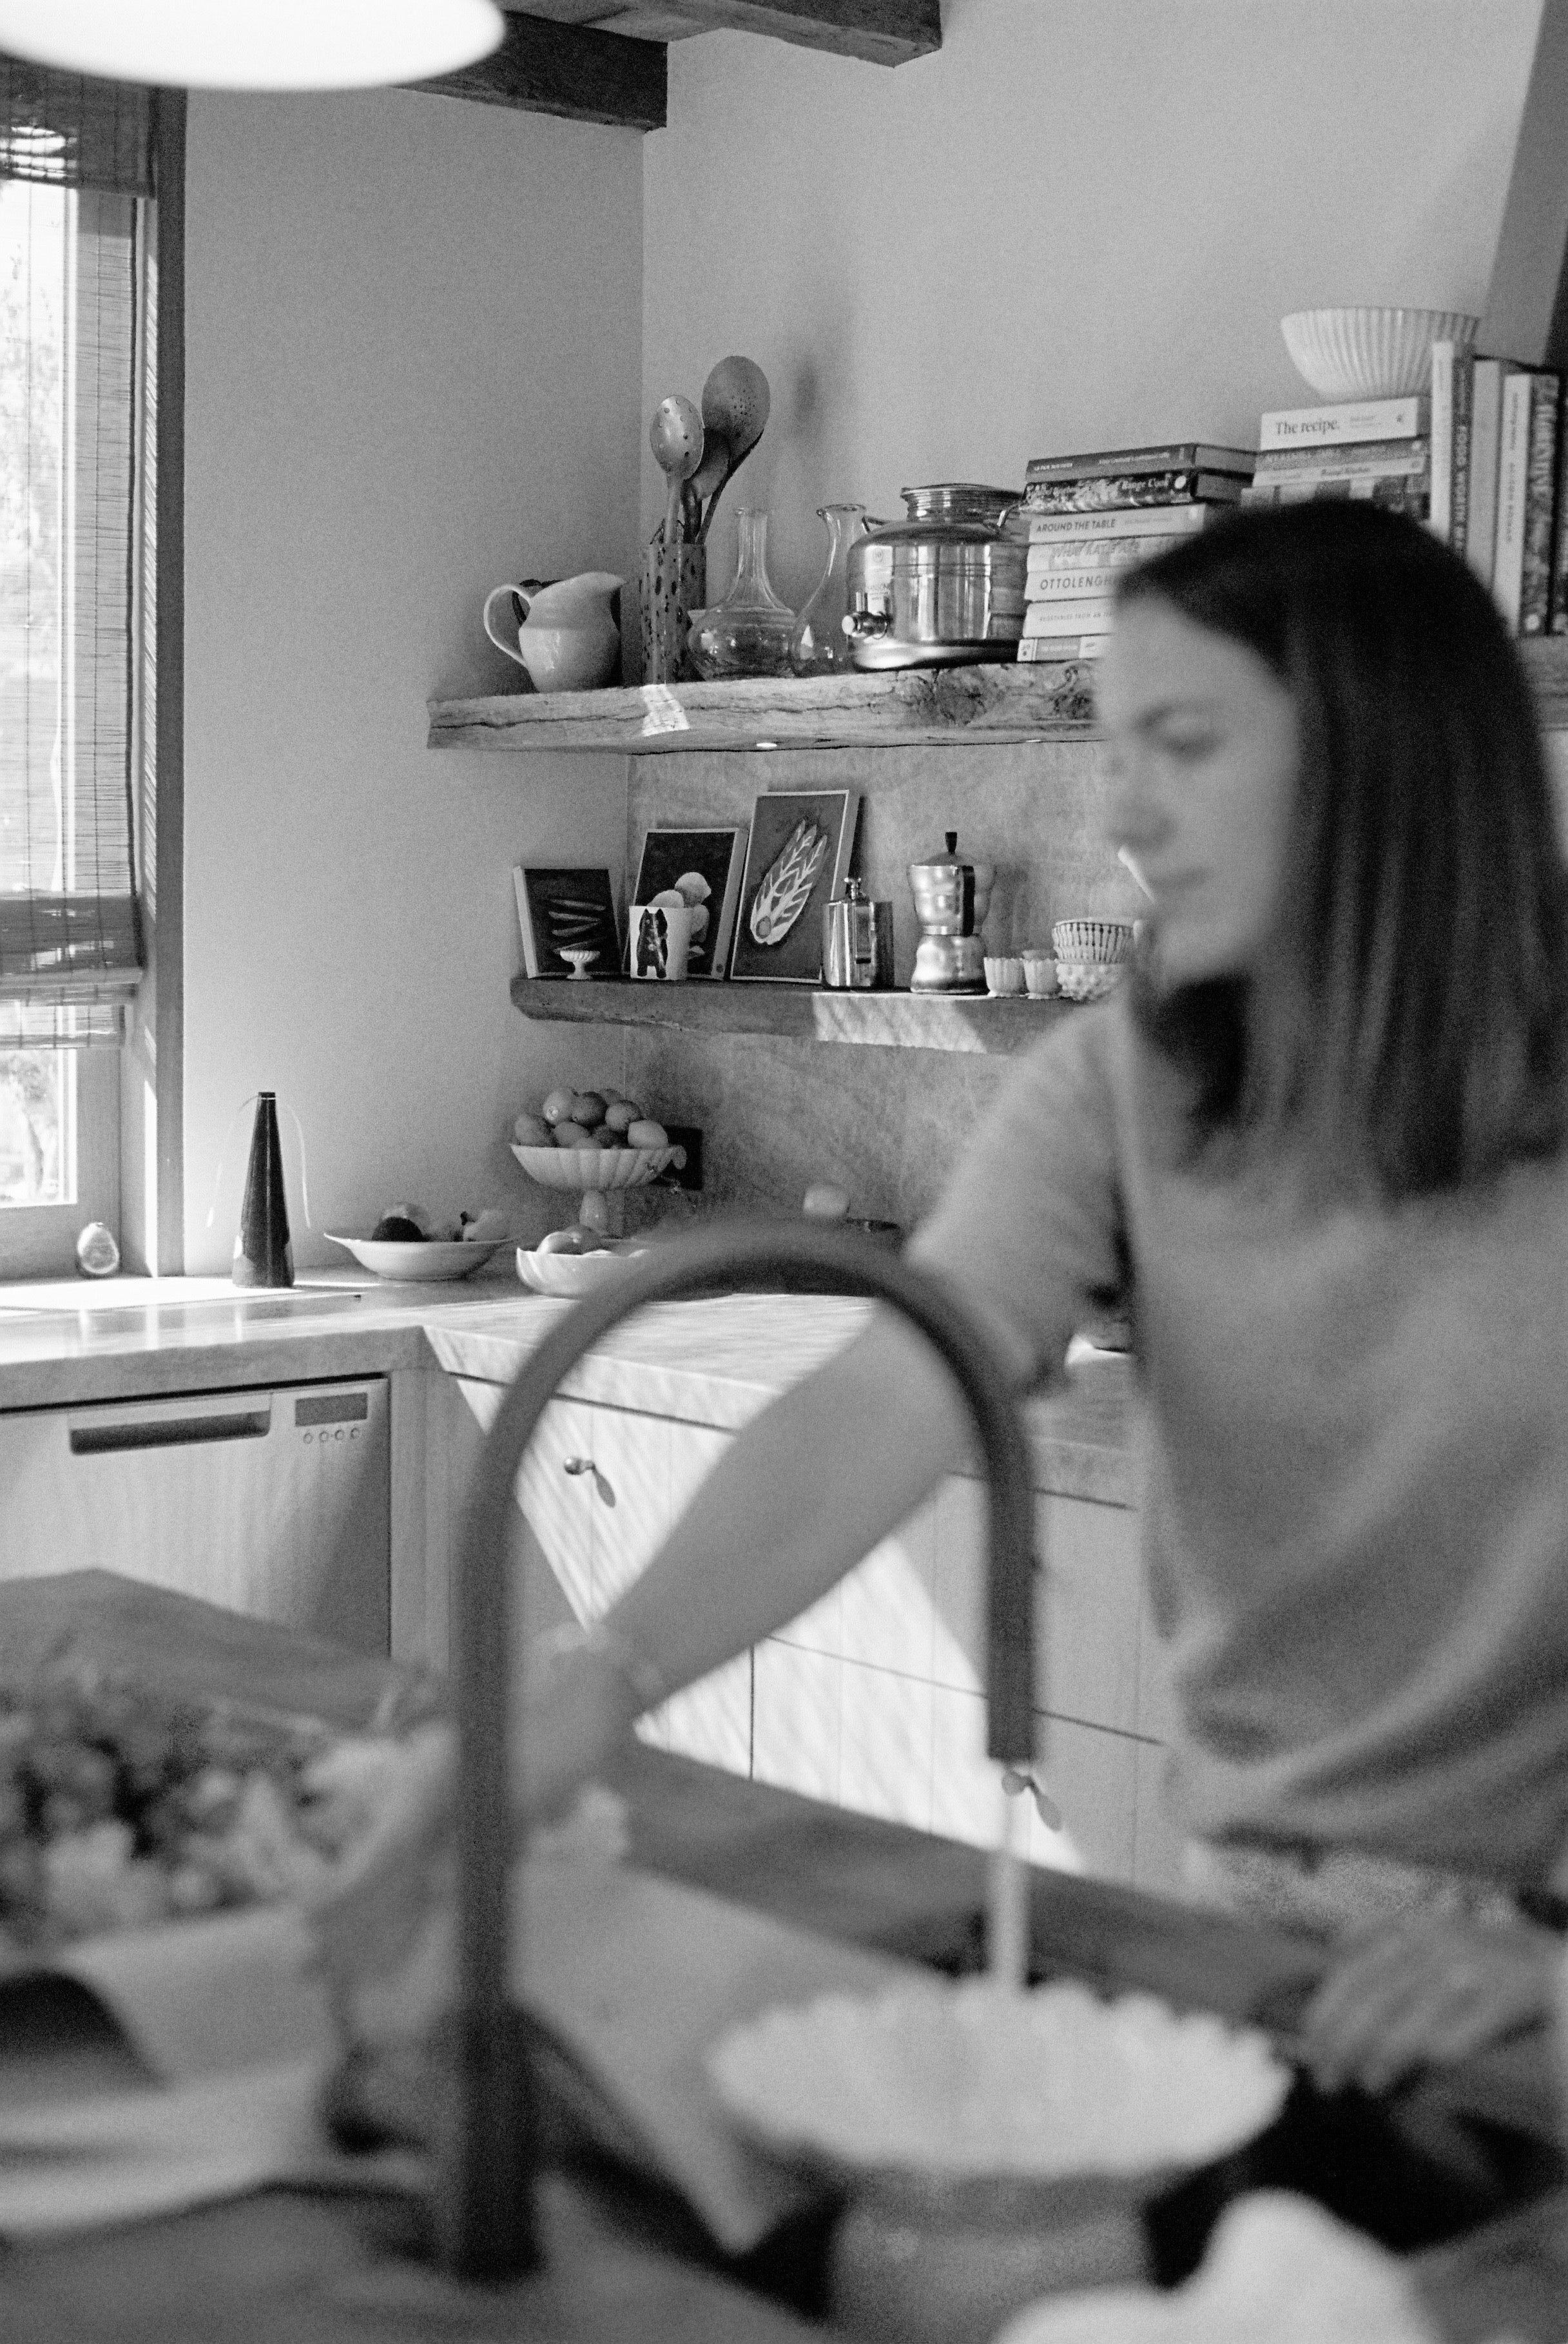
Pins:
x,y
714,1361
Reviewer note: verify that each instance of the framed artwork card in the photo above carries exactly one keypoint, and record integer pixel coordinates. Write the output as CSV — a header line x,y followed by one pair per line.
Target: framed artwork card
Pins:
x,y
704,868
562,911
798,858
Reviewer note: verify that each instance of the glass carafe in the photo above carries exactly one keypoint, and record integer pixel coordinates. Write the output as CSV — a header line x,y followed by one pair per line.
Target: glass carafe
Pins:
x,y
819,645
748,633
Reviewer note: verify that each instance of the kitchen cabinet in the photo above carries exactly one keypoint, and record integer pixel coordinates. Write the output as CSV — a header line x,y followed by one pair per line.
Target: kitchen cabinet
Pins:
x,y
874,1699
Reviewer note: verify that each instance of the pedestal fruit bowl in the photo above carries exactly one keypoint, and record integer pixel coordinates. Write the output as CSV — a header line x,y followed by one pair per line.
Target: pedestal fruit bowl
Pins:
x,y
992,2147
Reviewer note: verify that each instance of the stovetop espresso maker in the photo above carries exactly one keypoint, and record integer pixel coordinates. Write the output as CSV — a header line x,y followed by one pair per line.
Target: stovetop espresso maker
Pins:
x,y
951,900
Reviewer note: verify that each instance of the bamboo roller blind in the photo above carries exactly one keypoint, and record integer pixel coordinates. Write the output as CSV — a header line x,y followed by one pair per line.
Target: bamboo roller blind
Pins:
x,y
74,159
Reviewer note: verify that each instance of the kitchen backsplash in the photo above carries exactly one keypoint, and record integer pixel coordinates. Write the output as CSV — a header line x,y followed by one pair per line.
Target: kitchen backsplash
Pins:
x,y
885,1124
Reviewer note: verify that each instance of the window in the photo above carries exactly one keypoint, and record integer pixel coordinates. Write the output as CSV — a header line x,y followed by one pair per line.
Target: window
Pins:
x,y
77,556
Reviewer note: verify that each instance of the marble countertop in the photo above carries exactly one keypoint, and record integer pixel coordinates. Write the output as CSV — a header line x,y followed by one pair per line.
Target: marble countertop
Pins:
x,y
713,1362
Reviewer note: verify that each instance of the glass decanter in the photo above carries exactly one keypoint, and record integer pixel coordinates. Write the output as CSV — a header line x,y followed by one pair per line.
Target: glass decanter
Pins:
x,y
748,633
819,645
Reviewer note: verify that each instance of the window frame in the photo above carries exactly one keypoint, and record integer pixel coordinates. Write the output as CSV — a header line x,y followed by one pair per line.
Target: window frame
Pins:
x,y
129,1101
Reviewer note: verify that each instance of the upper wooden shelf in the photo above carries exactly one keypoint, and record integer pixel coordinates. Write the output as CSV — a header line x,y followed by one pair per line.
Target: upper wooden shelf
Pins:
x,y
798,1013
909,708
912,708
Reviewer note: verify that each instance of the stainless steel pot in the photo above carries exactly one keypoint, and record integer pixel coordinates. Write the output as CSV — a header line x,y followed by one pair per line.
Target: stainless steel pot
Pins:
x,y
941,587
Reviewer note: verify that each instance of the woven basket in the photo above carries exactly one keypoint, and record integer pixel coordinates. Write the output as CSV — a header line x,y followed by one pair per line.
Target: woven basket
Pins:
x,y
1097,940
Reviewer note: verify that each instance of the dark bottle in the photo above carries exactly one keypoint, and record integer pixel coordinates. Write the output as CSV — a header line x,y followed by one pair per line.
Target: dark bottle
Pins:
x,y
262,1253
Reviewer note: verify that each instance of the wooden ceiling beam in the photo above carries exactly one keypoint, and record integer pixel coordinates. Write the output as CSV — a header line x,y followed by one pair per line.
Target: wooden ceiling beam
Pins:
x,y
544,67
882,31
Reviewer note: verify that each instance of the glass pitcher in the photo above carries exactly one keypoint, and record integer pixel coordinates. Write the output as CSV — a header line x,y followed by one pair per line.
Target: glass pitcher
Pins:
x,y
748,633
819,645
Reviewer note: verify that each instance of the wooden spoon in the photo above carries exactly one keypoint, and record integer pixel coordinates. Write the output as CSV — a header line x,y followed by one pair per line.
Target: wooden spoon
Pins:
x,y
735,403
675,436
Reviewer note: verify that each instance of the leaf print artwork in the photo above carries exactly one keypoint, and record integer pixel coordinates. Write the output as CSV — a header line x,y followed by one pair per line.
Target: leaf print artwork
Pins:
x,y
785,888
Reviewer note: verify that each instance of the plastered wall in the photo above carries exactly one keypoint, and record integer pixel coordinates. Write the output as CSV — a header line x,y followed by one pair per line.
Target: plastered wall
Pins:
x,y
413,353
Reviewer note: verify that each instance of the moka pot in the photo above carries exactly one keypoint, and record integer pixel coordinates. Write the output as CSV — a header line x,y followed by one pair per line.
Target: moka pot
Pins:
x,y
951,900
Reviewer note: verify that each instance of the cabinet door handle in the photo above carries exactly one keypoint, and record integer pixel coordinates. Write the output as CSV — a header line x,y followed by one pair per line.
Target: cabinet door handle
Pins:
x,y
603,1491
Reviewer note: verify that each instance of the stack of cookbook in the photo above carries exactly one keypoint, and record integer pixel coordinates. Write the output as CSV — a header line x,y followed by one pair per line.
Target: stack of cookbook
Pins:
x,y
1088,517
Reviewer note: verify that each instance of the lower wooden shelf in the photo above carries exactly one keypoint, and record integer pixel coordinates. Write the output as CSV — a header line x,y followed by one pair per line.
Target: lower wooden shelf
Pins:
x,y
800,1013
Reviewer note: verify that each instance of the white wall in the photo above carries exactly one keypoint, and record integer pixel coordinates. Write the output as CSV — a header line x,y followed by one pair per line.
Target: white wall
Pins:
x,y
413,370
1077,224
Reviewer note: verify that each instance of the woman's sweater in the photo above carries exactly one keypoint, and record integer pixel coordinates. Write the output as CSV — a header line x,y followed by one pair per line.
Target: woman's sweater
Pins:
x,y
1356,1523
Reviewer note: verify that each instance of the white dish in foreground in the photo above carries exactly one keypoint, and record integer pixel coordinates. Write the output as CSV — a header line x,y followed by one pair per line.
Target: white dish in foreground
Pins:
x,y
567,1275
963,2082
414,1263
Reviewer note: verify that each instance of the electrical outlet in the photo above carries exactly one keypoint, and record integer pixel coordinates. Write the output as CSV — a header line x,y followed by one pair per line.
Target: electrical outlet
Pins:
x,y
689,1175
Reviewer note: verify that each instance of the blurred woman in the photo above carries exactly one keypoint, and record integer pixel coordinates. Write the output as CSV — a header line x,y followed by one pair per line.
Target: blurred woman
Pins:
x,y
1320,1139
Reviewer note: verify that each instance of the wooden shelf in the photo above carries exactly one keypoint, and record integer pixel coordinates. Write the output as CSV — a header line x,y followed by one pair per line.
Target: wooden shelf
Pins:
x,y
907,708
798,1012
912,708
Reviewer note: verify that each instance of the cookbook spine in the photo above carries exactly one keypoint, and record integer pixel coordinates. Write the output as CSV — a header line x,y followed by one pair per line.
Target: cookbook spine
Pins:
x,y
1399,492
1184,455
1443,356
1069,585
1346,421
1513,475
1153,522
1110,556
1540,502
1037,650
1129,490
1083,614
1360,456
1485,440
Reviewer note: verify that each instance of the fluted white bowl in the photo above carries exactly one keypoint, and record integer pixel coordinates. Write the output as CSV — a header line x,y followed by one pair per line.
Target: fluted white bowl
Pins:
x,y
596,1167
1370,353
957,2080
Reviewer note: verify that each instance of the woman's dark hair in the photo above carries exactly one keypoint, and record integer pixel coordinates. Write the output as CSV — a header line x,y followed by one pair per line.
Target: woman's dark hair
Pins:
x,y
1410,1019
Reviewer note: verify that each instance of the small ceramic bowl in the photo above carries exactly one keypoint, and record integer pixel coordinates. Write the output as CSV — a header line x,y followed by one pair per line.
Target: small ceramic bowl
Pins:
x,y
1087,980
1005,973
1096,940
567,1275
1039,975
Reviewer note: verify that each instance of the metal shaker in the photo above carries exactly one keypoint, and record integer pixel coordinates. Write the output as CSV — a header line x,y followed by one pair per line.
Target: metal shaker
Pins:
x,y
856,942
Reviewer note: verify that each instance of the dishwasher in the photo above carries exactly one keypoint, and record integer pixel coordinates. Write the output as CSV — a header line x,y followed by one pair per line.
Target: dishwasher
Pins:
x,y
272,1501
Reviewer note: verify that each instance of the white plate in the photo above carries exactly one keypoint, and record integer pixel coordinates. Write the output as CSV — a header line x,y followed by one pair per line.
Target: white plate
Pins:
x,y
414,1264
570,1274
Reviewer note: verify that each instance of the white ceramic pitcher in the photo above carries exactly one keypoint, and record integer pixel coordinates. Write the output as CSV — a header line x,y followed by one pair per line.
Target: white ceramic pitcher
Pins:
x,y
565,635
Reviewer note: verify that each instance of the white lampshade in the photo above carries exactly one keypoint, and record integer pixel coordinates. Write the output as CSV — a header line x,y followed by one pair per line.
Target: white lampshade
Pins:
x,y
253,44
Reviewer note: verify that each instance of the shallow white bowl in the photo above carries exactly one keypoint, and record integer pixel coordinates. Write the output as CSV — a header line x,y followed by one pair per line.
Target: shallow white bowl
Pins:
x,y
567,1275
1370,353
951,2083
1089,980
414,1264
595,1167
